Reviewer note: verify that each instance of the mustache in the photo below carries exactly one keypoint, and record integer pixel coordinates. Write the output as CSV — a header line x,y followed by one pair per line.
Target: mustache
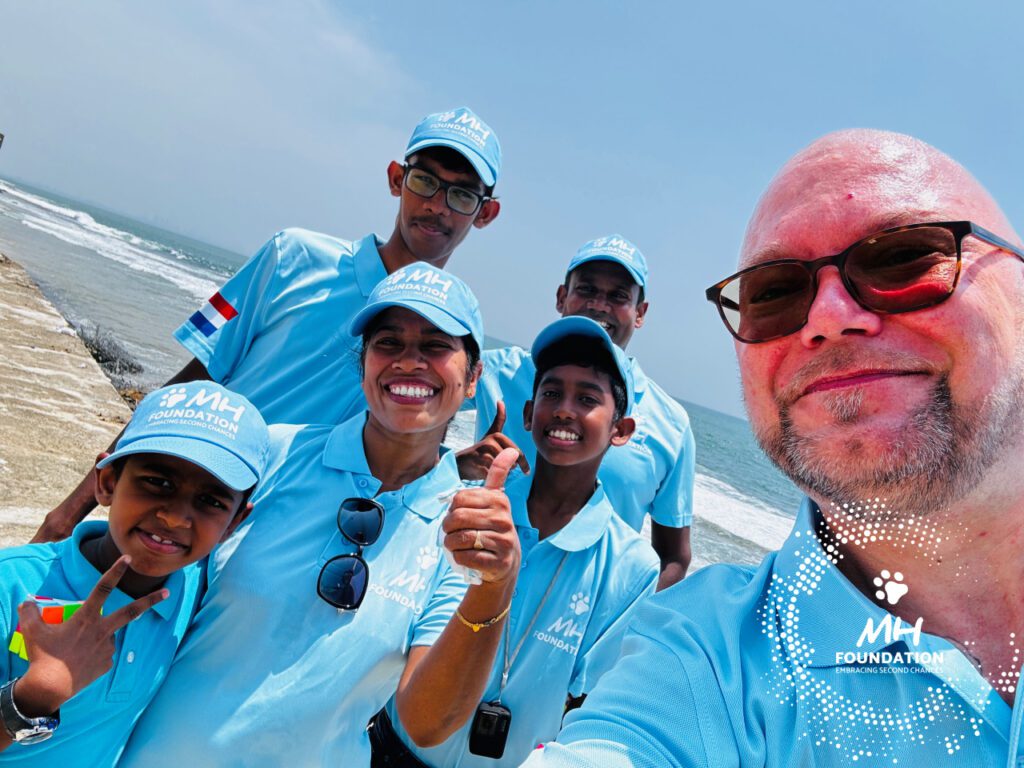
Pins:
x,y
434,222
840,360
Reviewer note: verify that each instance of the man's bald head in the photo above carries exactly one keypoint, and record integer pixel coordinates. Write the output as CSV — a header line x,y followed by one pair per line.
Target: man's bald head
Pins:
x,y
880,178
919,407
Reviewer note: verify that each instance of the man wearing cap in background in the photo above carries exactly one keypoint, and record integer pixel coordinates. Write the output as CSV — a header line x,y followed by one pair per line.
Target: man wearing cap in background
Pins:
x,y
275,332
653,473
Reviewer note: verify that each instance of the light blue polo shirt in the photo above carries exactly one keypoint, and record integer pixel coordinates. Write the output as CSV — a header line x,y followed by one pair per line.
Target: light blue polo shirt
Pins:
x,y
576,637
742,666
288,349
651,475
271,674
95,723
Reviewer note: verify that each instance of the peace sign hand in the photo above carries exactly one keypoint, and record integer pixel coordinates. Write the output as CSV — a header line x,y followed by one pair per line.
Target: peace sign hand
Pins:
x,y
64,658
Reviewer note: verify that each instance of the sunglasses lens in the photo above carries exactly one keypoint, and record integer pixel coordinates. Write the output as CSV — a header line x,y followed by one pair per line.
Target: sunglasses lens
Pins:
x,y
421,183
342,581
360,520
904,271
767,303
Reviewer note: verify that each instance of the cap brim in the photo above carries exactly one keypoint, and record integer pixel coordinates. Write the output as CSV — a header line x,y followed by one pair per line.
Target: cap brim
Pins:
x,y
483,170
429,312
638,278
218,461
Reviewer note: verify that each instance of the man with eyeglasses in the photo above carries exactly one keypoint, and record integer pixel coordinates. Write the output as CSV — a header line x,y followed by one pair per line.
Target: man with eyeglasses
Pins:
x,y
653,474
276,330
879,325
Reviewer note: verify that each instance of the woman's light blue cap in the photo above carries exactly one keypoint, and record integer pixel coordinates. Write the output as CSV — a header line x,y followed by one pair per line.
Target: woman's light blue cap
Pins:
x,y
438,296
461,130
577,325
613,248
202,422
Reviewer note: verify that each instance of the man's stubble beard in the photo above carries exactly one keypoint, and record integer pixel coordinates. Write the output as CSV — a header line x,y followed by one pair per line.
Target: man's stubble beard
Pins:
x,y
941,455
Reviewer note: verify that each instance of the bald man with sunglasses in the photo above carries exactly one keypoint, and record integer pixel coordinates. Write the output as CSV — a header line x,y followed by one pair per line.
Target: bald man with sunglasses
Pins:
x,y
878,318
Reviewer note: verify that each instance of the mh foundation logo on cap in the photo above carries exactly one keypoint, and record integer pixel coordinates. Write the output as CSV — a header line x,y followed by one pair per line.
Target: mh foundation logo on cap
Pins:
x,y
462,130
204,423
432,293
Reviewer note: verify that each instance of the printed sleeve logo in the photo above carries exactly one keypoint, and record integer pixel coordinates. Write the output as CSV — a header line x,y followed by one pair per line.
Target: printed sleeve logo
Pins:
x,y
892,588
212,315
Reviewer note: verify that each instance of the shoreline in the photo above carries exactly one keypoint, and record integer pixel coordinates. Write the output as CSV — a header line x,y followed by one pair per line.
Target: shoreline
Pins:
x,y
58,409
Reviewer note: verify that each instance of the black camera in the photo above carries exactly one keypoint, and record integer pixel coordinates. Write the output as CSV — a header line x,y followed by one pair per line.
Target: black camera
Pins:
x,y
489,733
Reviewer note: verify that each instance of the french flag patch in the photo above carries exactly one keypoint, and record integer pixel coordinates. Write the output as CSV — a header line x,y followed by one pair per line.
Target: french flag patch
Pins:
x,y
213,314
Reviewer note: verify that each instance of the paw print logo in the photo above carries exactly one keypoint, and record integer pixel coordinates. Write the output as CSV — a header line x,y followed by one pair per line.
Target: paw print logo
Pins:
x,y
890,587
427,557
580,603
172,397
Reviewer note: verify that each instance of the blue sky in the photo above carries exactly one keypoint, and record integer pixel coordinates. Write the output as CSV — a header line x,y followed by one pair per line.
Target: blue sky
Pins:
x,y
663,121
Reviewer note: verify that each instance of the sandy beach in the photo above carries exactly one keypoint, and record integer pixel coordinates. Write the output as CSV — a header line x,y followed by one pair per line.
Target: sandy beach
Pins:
x,y
57,408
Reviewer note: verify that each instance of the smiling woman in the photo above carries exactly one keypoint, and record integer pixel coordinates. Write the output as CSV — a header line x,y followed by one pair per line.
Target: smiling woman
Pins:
x,y
337,582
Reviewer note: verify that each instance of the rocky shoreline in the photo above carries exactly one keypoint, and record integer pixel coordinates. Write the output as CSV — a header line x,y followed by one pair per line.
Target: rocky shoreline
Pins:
x,y
57,407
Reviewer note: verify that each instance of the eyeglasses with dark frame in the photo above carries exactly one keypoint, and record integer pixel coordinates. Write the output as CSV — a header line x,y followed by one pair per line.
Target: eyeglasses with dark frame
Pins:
x,y
422,182
902,269
343,579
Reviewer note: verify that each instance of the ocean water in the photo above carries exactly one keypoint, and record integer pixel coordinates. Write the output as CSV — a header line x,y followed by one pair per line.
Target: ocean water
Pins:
x,y
137,283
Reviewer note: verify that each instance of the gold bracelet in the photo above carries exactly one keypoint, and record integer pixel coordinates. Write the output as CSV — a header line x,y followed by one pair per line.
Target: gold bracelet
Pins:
x,y
490,622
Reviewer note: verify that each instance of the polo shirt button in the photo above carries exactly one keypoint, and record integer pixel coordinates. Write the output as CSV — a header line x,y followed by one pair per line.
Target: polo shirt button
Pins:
x,y
131,656
362,483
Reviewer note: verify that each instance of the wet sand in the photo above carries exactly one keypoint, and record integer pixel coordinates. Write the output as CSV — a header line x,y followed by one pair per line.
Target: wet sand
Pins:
x,y
57,408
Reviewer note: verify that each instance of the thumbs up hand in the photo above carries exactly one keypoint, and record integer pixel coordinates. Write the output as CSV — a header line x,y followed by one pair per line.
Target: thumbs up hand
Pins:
x,y
475,460
478,528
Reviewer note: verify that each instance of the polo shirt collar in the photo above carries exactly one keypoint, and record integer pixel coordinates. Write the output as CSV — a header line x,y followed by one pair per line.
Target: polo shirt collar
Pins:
x,y
82,575
369,266
639,379
583,531
345,451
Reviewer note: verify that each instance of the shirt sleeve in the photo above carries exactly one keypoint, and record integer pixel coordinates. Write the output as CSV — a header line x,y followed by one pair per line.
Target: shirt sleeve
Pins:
x,y
616,613
440,607
673,504
645,713
220,333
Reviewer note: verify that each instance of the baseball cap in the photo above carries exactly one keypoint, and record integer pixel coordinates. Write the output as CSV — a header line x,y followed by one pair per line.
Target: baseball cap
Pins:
x,y
431,293
461,130
577,325
613,248
202,422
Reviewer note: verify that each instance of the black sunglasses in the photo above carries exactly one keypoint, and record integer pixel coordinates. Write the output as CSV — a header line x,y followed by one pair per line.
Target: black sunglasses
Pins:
x,y
459,199
343,579
897,270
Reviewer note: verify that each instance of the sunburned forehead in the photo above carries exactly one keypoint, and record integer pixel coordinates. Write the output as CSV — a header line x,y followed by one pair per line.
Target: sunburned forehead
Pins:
x,y
850,184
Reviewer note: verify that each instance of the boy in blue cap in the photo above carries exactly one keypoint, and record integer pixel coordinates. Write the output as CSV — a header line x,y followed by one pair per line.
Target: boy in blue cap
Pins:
x,y
653,474
275,332
176,485
583,568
